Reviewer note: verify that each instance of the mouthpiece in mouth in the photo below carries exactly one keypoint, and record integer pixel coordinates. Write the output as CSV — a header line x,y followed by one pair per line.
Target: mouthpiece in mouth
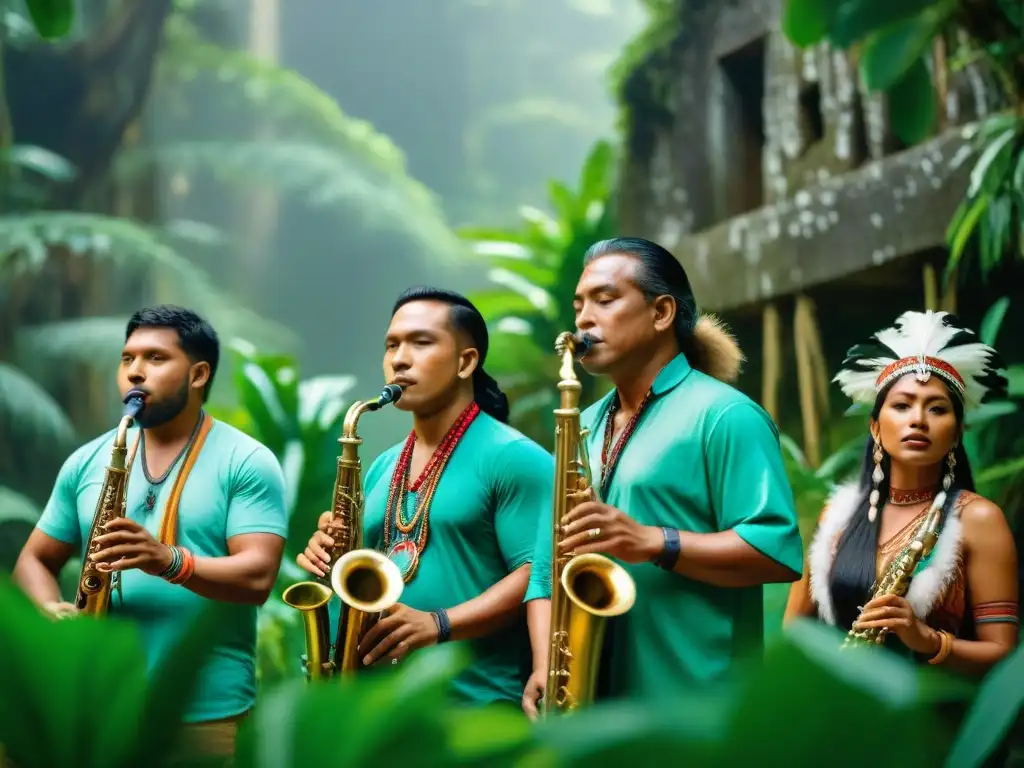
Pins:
x,y
134,402
392,393
584,342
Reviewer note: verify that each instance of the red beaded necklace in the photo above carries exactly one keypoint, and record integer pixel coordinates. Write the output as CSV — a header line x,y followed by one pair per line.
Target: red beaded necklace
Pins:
x,y
408,545
907,498
610,456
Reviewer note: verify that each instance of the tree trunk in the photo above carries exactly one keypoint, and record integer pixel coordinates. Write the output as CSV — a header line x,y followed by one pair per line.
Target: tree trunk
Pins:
x,y
76,100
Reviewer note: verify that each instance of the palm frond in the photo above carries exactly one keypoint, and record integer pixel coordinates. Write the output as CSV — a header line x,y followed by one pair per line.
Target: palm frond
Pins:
x,y
26,240
34,421
325,176
278,93
84,340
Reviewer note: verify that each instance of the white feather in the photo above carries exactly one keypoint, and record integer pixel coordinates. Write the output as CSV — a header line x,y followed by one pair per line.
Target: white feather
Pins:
x,y
922,333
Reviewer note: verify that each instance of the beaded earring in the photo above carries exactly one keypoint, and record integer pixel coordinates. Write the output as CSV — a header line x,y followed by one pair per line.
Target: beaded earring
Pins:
x,y
947,481
876,478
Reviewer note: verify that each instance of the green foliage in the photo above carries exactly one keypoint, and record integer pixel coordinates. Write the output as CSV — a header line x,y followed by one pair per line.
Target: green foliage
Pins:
x,y
535,270
641,74
52,18
895,39
990,219
331,157
841,694
53,669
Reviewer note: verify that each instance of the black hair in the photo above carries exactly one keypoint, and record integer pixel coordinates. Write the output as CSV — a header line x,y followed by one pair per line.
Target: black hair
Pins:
x,y
660,274
197,338
854,565
466,317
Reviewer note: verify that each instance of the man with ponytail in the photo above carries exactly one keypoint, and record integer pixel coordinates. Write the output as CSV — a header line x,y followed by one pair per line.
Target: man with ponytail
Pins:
x,y
456,505
961,608
692,496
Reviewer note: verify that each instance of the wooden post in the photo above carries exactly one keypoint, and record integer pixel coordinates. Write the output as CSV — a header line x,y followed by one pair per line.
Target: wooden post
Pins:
x,y
802,331
260,209
771,365
931,287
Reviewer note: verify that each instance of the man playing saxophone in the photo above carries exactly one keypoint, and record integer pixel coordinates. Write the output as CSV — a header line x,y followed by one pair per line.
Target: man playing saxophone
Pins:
x,y
204,518
456,505
694,498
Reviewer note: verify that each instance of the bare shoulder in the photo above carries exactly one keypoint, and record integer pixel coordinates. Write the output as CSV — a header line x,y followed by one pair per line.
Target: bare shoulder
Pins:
x,y
982,518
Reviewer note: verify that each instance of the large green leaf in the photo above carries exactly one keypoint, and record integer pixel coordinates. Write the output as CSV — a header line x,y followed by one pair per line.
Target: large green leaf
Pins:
x,y
377,705
32,419
913,104
806,22
52,18
891,53
18,516
996,707
856,19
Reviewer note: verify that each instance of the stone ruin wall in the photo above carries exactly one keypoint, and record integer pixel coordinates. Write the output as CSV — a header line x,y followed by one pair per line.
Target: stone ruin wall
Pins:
x,y
851,192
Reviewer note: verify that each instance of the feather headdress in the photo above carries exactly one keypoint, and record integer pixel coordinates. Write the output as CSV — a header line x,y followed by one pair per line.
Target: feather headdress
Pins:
x,y
925,344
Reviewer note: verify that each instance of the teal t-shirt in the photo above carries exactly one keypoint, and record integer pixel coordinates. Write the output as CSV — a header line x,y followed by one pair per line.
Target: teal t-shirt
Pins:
x,y
704,458
492,495
235,487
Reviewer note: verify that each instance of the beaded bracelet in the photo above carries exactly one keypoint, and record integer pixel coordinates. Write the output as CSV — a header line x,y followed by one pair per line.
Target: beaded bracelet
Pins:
x,y
176,562
187,569
444,626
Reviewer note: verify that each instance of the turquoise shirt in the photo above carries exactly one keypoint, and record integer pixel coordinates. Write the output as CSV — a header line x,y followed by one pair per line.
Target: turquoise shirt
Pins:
x,y
704,458
492,495
236,486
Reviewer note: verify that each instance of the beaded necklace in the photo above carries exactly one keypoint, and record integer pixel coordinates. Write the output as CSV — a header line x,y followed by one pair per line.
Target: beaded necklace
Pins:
x,y
610,456
411,536
907,498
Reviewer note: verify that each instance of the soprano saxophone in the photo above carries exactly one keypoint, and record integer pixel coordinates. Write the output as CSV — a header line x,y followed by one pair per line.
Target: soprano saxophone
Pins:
x,y
587,589
896,579
94,585
366,581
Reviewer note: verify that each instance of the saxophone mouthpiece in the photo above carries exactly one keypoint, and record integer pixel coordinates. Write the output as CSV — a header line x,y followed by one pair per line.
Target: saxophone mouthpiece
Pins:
x,y
392,393
134,401
584,342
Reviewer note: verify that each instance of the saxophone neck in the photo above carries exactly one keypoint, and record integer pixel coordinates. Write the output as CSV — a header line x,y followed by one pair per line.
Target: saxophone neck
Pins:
x,y
569,347
350,440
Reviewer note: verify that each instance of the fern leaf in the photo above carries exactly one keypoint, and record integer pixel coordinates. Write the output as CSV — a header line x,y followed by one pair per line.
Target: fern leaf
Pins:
x,y
278,93
83,340
34,420
324,176
25,241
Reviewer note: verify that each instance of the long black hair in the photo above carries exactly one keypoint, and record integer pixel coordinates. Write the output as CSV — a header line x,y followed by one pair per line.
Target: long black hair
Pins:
x,y
854,566
466,317
660,274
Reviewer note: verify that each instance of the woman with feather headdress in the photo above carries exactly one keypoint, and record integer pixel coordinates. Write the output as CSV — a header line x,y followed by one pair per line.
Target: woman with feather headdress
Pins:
x,y
961,608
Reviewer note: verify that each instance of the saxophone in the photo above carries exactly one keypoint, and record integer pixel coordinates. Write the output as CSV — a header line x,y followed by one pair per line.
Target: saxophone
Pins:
x,y
95,586
585,589
366,581
896,579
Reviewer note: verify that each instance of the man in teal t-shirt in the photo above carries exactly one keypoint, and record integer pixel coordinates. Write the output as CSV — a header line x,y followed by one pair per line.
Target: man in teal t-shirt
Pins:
x,y
694,499
456,506
205,518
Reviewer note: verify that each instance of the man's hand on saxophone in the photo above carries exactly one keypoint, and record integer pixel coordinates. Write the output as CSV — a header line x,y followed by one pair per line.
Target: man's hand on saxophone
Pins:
x,y
596,527
314,557
126,545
